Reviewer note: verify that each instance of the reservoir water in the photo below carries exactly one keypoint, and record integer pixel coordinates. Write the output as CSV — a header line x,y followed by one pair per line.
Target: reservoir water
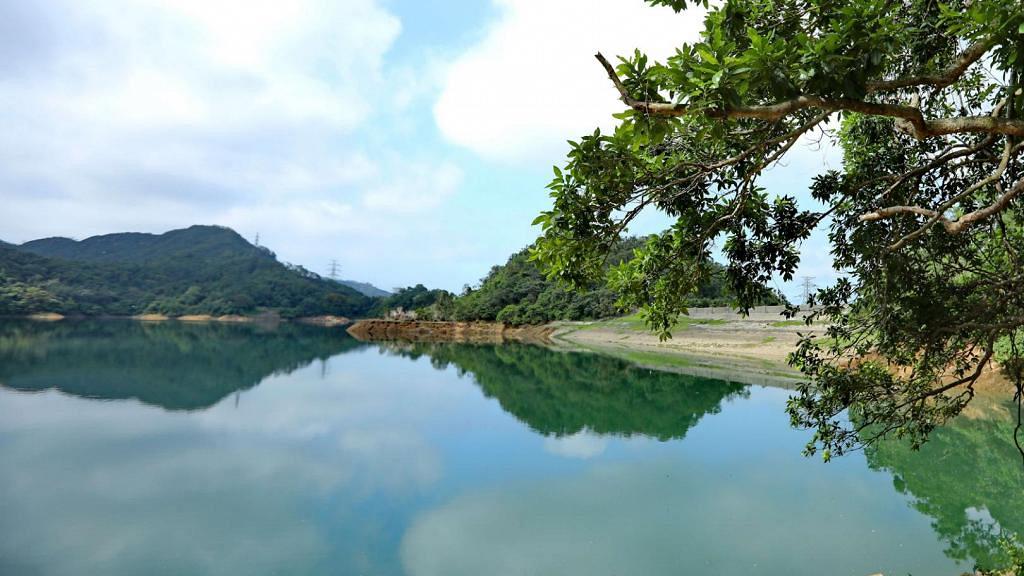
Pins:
x,y
171,449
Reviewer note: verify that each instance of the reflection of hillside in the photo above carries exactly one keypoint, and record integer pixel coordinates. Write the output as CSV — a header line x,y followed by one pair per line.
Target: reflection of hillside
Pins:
x,y
561,393
172,365
968,478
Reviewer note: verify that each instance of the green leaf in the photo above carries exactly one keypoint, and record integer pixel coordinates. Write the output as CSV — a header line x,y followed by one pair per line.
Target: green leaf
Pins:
x,y
706,55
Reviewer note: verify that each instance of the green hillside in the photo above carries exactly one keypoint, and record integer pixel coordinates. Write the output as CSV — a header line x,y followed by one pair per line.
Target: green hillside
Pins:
x,y
517,292
197,270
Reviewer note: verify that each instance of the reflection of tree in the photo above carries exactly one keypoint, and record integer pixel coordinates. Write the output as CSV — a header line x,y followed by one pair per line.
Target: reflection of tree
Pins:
x,y
173,365
561,393
968,478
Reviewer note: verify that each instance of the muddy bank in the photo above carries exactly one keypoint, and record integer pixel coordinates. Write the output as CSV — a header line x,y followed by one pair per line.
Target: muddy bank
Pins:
x,y
416,331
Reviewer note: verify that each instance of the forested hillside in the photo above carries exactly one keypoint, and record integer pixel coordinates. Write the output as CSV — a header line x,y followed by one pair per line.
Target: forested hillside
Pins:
x,y
518,293
198,270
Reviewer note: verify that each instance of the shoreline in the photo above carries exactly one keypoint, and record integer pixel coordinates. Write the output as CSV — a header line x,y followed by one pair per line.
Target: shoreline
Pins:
x,y
723,346
381,330
746,351
751,351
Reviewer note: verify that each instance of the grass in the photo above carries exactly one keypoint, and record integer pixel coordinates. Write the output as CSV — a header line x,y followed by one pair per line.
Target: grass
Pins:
x,y
635,323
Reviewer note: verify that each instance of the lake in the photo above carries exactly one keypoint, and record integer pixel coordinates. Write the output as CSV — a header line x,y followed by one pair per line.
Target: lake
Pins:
x,y
129,448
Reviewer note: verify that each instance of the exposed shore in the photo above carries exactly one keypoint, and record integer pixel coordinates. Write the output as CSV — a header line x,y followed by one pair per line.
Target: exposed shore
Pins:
x,y
753,350
713,344
417,330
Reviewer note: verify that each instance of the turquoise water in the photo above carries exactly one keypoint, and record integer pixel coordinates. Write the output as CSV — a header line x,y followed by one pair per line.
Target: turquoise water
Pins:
x,y
130,448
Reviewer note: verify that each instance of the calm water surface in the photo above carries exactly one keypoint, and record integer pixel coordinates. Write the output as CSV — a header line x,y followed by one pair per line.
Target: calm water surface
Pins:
x,y
130,448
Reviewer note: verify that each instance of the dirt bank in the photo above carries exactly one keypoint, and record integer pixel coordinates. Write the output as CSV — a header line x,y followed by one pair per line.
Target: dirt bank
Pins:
x,y
749,351
414,330
753,350
327,321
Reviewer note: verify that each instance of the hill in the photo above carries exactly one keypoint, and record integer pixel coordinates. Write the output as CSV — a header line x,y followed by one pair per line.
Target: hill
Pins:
x,y
197,270
517,293
365,288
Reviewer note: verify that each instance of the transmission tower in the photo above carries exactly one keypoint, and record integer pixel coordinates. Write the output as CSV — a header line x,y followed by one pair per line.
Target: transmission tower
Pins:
x,y
257,242
333,270
808,288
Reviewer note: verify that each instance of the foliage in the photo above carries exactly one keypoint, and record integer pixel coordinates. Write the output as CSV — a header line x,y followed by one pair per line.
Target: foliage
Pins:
x,y
518,293
923,218
416,298
198,270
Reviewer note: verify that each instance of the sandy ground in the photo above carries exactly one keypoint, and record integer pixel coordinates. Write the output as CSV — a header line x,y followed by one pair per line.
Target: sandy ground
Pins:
x,y
752,350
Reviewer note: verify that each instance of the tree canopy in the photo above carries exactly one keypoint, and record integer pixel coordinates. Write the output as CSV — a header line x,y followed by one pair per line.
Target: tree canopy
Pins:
x,y
518,293
924,217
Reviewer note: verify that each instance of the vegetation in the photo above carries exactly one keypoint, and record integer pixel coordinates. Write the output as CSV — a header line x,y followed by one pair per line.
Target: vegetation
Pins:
x,y
416,298
198,270
518,293
924,217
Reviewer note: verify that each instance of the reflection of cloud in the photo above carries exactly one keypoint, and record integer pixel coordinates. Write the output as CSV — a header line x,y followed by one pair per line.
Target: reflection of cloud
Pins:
x,y
123,488
583,445
677,518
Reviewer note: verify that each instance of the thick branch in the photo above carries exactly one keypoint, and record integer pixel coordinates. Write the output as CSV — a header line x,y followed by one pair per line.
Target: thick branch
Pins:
x,y
952,226
942,79
917,125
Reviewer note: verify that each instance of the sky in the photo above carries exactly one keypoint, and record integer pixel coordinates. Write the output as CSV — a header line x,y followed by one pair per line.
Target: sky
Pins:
x,y
410,141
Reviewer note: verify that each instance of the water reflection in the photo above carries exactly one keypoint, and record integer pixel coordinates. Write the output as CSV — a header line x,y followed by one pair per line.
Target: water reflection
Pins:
x,y
171,365
968,478
444,460
572,394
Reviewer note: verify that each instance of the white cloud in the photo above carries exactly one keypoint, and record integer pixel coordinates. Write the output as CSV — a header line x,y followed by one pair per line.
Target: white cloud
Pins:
x,y
532,83
220,490
255,114
583,445
416,188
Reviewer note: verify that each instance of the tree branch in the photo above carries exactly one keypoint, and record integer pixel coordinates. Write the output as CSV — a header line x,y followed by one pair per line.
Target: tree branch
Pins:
x,y
942,79
916,124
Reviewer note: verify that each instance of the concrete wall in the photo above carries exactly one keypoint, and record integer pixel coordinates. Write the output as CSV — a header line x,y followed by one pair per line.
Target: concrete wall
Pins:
x,y
758,314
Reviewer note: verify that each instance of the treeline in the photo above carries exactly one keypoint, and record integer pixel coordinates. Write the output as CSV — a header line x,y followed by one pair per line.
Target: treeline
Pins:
x,y
212,270
518,293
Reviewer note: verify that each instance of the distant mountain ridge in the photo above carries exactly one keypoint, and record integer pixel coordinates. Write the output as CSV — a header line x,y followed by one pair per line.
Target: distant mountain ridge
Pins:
x,y
196,270
365,288
206,242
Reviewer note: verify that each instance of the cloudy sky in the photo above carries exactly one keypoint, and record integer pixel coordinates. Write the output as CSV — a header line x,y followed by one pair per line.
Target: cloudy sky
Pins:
x,y
409,140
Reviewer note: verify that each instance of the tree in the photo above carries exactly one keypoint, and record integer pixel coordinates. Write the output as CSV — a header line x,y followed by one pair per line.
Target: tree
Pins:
x,y
924,218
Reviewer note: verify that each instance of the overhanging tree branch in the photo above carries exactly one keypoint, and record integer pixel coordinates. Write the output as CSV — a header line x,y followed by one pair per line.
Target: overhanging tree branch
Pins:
x,y
912,119
942,79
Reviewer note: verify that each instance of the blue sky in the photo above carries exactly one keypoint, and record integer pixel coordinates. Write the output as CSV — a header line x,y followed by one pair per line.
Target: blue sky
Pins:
x,y
409,140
